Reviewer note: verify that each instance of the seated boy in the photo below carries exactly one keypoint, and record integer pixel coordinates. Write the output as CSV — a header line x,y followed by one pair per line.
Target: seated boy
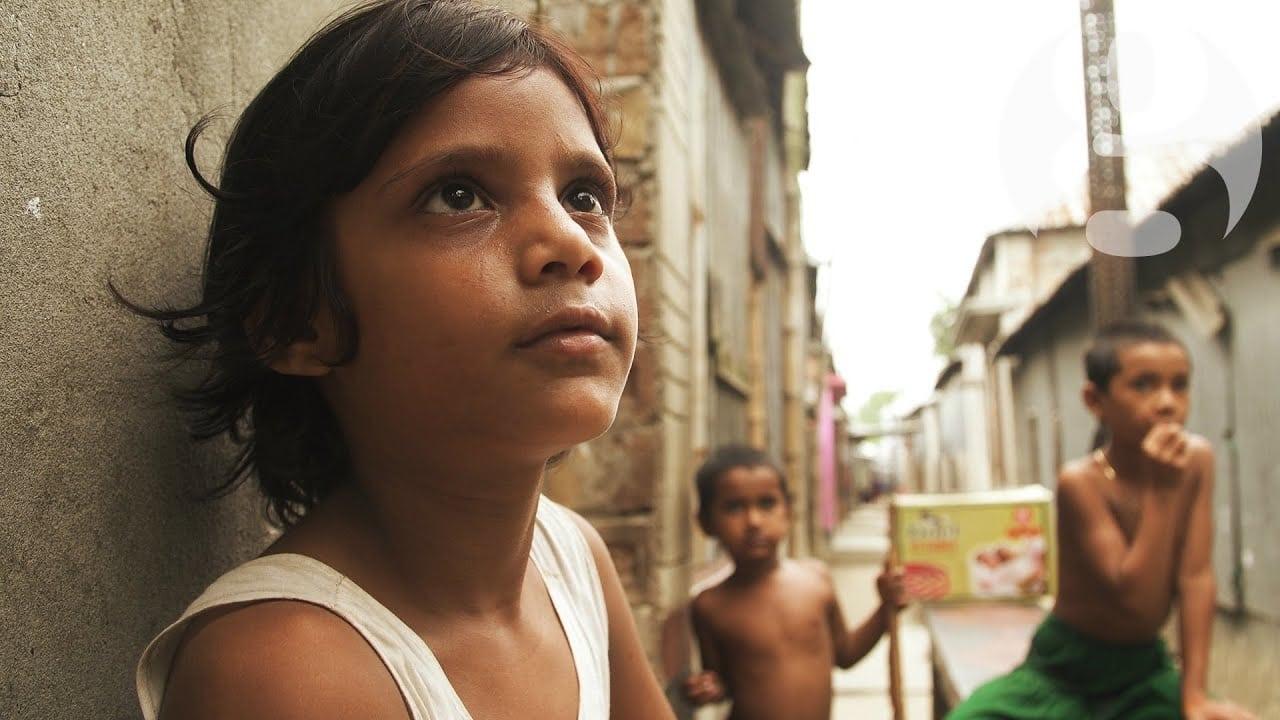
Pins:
x,y
1135,532
770,632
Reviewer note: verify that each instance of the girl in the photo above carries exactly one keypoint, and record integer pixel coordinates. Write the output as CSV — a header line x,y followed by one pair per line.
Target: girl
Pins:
x,y
413,298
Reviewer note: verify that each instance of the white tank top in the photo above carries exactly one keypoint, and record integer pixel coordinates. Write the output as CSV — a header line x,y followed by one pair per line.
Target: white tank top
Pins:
x,y
559,552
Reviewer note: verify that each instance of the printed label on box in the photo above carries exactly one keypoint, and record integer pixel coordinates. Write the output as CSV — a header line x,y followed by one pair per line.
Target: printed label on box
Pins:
x,y
965,546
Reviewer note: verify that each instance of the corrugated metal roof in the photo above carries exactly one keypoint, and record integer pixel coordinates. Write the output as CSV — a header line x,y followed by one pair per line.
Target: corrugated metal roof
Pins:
x,y
1151,174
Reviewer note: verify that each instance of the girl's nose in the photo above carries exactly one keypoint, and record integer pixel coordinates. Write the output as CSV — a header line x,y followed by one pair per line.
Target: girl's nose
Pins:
x,y
556,247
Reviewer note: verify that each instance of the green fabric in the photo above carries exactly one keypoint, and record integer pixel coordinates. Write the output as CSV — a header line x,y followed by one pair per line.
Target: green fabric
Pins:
x,y
1070,676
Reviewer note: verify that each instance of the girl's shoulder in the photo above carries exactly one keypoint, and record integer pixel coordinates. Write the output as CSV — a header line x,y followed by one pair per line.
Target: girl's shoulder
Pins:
x,y
274,637
279,659
569,532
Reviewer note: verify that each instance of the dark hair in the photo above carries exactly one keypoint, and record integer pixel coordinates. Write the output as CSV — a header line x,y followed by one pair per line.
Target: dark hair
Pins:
x,y
1102,359
311,134
722,460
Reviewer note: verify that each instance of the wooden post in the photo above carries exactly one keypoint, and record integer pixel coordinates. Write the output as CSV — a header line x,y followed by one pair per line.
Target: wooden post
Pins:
x,y
1111,278
891,612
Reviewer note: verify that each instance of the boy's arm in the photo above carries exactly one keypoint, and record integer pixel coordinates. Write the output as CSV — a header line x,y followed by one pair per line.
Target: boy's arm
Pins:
x,y
705,686
1136,574
1197,588
852,645
707,647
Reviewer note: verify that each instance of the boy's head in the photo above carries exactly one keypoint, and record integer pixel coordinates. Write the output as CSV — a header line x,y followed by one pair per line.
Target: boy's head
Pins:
x,y
743,501
1138,375
272,276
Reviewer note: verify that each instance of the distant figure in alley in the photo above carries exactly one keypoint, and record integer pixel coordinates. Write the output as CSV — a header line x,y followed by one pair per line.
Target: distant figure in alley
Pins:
x,y
771,632
1135,532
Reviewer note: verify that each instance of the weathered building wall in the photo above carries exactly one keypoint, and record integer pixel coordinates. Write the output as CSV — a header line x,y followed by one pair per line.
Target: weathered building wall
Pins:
x,y
679,134
101,541
728,164
1251,289
1035,415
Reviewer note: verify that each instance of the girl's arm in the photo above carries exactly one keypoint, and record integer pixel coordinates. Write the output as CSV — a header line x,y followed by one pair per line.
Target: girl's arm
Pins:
x,y
634,690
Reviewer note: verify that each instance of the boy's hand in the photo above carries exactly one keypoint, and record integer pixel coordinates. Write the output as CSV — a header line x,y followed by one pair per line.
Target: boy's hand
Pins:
x,y
890,585
704,687
1211,710
1168,450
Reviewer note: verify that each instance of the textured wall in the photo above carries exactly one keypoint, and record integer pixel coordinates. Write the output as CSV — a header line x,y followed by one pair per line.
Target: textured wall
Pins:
x,y
100,542
1252,292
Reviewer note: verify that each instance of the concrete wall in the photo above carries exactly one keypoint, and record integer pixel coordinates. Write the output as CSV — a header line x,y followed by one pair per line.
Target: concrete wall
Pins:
x,y
728,162
953,454
101,541
1035,413
1251,290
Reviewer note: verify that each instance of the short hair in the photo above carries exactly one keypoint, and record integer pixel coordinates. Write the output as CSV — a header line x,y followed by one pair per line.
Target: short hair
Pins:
x,y
313,133
1102,359
724,459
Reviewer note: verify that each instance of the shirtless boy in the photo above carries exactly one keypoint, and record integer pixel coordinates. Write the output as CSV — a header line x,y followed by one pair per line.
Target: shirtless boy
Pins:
x,y
1135,532
771,632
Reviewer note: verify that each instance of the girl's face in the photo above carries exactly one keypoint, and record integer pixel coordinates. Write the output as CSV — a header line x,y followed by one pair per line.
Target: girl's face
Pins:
x,y
495,308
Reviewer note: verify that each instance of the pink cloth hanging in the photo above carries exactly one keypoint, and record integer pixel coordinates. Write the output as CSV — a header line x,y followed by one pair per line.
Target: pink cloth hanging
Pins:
x,y
833,388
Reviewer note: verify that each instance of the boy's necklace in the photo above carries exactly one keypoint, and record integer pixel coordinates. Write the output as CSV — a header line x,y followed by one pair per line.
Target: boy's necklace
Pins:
x,y
1108,472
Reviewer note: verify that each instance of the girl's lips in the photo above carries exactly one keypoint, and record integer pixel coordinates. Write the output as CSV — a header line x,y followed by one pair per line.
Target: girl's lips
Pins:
x,y
574,342
572,320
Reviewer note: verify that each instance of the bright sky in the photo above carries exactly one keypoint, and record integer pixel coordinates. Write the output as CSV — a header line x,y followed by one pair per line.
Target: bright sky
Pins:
x,y
934,125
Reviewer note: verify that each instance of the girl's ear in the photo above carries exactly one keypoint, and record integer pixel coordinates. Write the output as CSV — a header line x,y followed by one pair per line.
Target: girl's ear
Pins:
x,y
305,358
310,356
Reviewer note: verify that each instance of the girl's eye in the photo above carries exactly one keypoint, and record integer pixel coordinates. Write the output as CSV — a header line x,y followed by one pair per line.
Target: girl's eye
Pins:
x,y
584,201
453,198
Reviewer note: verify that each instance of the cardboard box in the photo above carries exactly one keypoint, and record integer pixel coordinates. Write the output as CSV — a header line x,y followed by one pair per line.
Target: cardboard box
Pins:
x,y
967,546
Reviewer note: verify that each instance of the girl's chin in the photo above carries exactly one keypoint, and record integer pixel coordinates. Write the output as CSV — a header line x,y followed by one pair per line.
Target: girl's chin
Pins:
x,y
581,417
569,429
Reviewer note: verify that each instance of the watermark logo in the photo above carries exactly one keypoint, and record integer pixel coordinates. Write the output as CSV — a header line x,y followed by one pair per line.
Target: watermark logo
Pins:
x,y
1181,95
